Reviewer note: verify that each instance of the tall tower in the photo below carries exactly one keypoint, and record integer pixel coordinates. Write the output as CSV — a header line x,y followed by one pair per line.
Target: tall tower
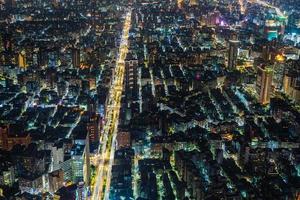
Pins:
x,y
233,53
264,84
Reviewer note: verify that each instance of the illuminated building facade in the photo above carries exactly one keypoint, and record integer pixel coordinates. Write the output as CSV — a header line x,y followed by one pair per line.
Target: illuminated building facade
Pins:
x,y
56,180
123,140
291,84
80,160
7,174
273,28
264,84
131,64
9,138
93,128
233,53
22,59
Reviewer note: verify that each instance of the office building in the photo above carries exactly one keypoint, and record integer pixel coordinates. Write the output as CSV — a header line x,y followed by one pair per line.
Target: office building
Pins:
x,y
93,128
56,180
291,84
131,64
123,139
233,53
264,84
22,59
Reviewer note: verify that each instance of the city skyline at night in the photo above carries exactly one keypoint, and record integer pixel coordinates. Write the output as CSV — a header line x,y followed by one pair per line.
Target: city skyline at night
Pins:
x,y
149,99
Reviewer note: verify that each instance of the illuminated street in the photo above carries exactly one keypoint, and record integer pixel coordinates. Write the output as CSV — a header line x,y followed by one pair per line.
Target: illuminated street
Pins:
x,y
102,185
150,99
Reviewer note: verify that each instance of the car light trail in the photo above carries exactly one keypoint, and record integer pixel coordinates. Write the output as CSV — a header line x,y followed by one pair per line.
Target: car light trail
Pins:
x,y
102,186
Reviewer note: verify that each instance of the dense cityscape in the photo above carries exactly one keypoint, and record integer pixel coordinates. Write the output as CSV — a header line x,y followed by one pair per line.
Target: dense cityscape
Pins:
x,y
149,99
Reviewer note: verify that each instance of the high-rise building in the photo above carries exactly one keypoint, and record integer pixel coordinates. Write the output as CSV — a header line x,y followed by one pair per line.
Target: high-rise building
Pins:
x,y
66,167
51,78
93,128
269,51
273,28
123,140
62,88
80,159
42,57
92,83
57,156
56,180
76,57
264,84
266,52
131,64
22,59
80,192
291,83
79,164
85,86
11,135
233,53
7,174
